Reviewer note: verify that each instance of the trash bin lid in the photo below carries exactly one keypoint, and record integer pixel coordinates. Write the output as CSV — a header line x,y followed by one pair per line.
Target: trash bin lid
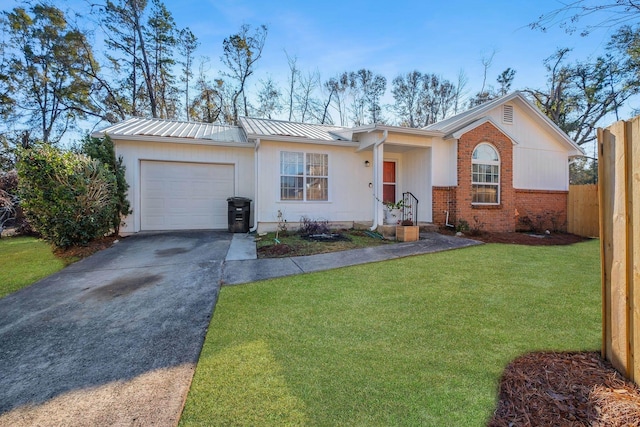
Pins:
x,y
239,201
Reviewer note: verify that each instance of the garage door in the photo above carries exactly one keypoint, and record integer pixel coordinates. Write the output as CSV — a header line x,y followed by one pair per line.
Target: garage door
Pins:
x,y
184,196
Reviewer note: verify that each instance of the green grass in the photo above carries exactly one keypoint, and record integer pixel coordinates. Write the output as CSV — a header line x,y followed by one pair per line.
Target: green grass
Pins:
x,y
416,341
25,260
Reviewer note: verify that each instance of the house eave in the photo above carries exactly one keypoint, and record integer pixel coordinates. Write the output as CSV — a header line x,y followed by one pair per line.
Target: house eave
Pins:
x,y
173,140
301,140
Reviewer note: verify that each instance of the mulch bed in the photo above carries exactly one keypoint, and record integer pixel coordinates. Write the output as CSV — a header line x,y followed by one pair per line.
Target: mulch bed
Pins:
x,y
529,238
79,252
565,389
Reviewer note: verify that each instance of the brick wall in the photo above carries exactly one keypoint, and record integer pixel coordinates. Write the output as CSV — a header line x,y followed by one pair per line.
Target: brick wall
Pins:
x,y
444,199
540,210
499,218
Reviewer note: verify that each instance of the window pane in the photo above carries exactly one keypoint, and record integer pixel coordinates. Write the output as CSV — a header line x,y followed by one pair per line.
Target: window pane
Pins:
x,y
484,193
485,152
291,188
317,164
291,163
317,189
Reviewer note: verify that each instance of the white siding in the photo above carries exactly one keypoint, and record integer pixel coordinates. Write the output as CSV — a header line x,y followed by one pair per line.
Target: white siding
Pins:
x,y
540,161
350,198
540,170
134,152
444,163
416,178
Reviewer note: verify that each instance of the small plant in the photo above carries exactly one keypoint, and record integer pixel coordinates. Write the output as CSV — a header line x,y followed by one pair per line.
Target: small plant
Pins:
x,y
282,226
310,227
462,226
397,205
477,228
407,222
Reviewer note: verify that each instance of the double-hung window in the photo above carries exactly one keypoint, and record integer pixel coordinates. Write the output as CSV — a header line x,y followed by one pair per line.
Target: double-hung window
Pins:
x,y
485,175
304,176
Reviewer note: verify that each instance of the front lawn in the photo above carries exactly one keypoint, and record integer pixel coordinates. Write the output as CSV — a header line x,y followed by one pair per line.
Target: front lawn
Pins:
x,y
25,260
416,341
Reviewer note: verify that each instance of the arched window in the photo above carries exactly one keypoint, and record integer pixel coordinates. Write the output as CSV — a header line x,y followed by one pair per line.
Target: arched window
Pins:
x,y
485,175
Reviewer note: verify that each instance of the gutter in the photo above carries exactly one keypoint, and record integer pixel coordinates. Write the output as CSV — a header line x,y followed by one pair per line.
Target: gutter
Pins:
x,y
255,188
377,172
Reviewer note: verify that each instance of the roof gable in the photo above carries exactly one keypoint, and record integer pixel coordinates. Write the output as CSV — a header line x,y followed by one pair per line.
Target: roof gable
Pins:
x,y
453,125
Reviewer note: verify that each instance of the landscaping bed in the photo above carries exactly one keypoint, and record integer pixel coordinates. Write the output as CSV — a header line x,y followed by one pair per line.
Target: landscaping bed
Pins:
x,y
522,238
569,389
293,244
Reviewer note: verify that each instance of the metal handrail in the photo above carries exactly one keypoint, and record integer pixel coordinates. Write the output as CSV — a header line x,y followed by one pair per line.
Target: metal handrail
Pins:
x,y
410,207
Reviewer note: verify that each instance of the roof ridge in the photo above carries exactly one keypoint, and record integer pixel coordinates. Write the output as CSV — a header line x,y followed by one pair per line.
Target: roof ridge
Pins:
x,y
292,122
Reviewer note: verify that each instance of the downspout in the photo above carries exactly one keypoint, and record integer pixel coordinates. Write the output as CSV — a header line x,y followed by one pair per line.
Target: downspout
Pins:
x,y
255,188
377,165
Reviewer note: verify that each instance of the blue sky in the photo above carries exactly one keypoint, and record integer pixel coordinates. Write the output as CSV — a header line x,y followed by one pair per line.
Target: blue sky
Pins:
x,y
441,37
390,38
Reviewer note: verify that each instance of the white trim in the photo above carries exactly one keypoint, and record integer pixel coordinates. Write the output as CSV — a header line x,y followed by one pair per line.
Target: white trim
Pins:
x,y
458,134
492,184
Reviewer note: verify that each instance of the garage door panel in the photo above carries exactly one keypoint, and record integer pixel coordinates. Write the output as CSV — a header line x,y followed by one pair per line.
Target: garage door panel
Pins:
x,y
183,196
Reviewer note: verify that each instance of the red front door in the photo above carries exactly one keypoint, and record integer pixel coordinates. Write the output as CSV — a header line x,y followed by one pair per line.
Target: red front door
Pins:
x,y
389,182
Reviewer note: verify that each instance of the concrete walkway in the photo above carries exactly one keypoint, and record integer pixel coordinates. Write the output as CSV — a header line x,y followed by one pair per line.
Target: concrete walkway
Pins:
x,y
243,267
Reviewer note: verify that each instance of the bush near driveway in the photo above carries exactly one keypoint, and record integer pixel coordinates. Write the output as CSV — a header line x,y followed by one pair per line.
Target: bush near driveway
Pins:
x,y
67,197
416,341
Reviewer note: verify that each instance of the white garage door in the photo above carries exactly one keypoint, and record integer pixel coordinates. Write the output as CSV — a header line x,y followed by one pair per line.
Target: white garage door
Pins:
x,y
184,196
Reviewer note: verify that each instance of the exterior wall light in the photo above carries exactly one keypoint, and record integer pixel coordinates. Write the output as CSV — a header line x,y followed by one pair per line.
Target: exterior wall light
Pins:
x,y
367,163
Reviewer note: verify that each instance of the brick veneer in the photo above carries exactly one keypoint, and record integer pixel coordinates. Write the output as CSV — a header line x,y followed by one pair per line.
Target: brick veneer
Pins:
x,y
444,200
518,209
541,210
489,218
500,217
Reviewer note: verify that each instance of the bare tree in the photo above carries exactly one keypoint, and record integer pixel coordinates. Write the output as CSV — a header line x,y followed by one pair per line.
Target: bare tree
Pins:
x,y
460,91
187,43
336,88
307,105
269,97
612,14
368,89
292,82
241,51
422,99
579,95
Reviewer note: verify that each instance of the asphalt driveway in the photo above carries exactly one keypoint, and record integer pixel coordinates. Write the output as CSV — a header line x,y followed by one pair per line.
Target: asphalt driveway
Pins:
x,y
92,344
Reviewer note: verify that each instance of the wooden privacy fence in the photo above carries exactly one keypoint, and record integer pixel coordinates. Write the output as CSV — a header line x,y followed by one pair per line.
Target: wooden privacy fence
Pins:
x,y
582,210
619,189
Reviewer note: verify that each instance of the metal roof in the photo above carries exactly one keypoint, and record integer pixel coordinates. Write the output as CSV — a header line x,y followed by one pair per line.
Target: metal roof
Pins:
x,y
269,127
138,126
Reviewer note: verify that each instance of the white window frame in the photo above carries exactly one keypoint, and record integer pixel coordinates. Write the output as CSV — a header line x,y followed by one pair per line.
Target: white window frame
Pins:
x,y
490,163
305,173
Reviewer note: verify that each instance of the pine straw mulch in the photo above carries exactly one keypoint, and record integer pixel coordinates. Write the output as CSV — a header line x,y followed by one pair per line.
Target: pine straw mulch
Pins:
x,y
565,389
75,253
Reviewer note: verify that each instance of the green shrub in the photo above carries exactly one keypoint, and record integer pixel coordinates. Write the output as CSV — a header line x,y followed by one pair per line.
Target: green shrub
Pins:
x,y
102,149
67,197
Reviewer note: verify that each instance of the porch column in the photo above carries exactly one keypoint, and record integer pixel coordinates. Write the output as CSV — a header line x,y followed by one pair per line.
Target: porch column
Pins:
x,y
378,160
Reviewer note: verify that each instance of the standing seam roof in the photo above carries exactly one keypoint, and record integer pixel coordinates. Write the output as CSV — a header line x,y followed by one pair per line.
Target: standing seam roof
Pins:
x,y
269,127
176,129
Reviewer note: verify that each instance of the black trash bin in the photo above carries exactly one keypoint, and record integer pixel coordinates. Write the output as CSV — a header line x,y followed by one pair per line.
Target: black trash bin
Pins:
x,y
239,214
